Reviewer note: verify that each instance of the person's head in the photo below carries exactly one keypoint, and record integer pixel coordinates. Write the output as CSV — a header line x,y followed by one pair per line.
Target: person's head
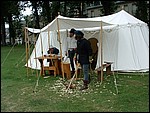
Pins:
x,y
51,50
78,34
71,32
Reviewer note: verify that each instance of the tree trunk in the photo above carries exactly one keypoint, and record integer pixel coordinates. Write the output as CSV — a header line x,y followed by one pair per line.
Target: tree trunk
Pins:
x,y
47,8
3,33
12,33
37,25
65,8
81,9
106,7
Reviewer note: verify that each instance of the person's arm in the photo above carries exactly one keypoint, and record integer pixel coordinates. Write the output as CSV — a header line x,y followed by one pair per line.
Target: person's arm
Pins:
x,y
89,48
66,49
48,51
76,53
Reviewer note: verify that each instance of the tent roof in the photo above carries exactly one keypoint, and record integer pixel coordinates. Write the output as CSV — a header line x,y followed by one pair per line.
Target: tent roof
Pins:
x,y
120,18
33,30
67,23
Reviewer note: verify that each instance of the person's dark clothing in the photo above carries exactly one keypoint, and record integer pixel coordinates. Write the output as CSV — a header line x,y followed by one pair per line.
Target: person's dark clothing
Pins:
x,y
84,50
53,50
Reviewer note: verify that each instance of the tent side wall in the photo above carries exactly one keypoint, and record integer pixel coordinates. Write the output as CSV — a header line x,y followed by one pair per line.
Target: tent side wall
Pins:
x,y
110,47
126,46
43,44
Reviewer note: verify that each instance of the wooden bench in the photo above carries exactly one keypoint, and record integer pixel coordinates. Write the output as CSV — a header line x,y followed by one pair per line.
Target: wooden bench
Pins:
x,y
106,65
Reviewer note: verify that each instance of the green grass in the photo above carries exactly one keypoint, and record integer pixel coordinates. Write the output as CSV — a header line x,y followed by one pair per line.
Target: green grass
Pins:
x,y
50,96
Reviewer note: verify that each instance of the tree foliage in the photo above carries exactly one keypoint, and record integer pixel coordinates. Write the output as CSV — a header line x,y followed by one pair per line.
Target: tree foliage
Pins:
x,y
109,7
43,12
10,10
141,12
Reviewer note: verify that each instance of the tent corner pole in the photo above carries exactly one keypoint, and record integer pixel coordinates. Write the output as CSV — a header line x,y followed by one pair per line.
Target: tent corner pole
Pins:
x,y
101,45
25,29
62,67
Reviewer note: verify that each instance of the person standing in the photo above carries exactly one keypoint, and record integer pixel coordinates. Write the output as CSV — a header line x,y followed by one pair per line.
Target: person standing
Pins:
x,y
84,51
71,49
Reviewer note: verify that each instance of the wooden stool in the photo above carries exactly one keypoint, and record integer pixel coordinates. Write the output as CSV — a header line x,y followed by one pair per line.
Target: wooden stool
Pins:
x,y
67,70
49,68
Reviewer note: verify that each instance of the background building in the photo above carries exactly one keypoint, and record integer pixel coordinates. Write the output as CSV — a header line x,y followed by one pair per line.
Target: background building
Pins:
x,y
94,9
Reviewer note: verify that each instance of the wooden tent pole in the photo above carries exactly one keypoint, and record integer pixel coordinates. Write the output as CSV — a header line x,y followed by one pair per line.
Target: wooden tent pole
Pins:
x,y
29,53
42,49
62,67
48,37
35,55
49,44
101,45
26,48
41,44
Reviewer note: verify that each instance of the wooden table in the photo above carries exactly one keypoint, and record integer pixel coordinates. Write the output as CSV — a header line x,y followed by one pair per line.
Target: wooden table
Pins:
x,y
55,64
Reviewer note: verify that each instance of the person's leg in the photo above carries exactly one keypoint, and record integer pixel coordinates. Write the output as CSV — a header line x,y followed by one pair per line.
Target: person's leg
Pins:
x,y
85,68
71,56
86,71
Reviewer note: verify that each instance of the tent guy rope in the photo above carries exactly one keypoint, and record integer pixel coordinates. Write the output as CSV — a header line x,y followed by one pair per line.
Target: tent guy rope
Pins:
x,y
7,55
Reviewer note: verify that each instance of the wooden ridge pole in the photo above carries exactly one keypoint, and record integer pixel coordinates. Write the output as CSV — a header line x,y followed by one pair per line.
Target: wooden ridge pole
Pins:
x,y
60,49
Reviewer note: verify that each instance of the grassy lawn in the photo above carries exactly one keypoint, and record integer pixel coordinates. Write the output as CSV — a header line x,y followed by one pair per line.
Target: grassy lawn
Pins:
x,y
50,96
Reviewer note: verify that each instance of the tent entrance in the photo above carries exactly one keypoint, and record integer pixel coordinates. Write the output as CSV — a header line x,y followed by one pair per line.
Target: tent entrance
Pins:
x,y
94,47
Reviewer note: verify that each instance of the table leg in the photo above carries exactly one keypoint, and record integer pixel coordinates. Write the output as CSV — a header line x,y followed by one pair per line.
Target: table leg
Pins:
x,y
42,70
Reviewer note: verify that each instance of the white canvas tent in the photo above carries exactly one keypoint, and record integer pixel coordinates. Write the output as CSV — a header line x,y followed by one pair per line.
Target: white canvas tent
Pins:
x,y
125,39
129,41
